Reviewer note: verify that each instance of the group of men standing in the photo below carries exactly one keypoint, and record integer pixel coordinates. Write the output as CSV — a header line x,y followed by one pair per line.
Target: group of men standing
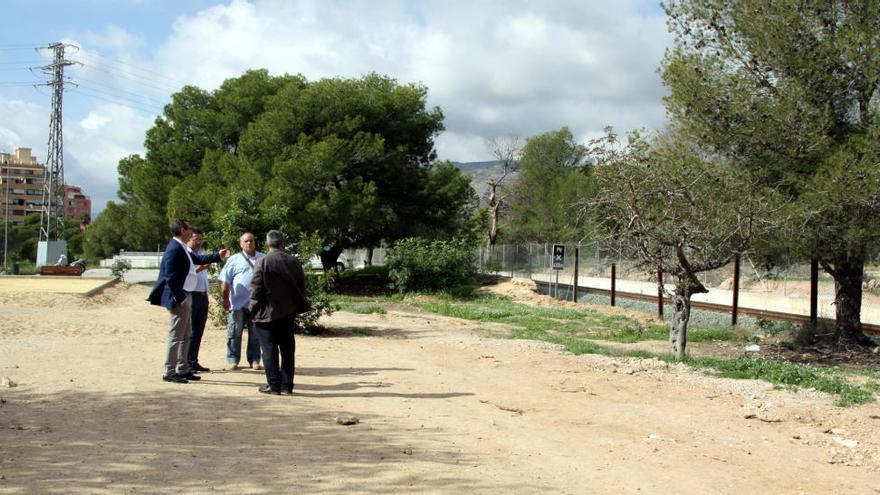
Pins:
x,y
262,294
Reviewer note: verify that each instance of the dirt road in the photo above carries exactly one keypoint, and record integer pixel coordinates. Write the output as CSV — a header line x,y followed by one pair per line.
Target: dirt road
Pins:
x,y
443,408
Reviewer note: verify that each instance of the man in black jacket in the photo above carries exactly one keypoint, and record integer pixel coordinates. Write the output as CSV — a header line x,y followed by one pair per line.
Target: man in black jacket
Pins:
x,y
278,294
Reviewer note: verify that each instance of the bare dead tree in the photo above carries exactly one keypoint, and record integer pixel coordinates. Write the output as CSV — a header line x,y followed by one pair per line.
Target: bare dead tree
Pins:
x,y
506,149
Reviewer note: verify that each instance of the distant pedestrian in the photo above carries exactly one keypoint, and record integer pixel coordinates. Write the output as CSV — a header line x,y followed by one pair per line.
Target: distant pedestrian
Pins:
x,y
278,295
177,278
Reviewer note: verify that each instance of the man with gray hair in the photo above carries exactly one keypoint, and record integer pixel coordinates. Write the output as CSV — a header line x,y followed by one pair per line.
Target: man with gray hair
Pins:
x,y
278,295
235,283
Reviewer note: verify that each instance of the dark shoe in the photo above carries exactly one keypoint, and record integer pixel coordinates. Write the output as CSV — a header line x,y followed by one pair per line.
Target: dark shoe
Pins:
x,y
287,392
268,390
175,378
191,376
199,367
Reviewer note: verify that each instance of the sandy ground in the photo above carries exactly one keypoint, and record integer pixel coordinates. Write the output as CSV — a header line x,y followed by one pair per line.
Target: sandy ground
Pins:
x,y
58,285
443,408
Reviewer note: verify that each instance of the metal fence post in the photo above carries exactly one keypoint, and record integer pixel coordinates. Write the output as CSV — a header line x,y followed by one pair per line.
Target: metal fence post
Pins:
x,y
577,259
814,292
613,282
660,293
735,308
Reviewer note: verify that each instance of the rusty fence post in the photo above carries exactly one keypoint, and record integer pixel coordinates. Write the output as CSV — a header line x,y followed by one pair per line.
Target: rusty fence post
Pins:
x,y
613,282
577,259
660,293
814,292
735,308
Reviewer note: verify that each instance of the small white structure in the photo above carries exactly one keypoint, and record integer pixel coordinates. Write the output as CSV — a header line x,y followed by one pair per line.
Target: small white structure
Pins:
x,y
48,252
137,259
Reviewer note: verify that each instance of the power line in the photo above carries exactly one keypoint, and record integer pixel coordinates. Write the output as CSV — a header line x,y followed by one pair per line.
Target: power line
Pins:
x,y
110,98
115,89
24,45
133,78
149,73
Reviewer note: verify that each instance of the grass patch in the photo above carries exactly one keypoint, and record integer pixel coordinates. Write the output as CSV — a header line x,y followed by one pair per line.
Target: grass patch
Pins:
x,y
364,309
543,322
576,330
789,375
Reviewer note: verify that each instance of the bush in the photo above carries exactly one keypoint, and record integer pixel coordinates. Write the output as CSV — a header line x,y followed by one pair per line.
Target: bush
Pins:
x,y
421,265
119,267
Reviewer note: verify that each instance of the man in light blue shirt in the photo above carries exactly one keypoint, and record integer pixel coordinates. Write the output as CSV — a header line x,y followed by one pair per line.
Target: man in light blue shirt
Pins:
x,y
235,281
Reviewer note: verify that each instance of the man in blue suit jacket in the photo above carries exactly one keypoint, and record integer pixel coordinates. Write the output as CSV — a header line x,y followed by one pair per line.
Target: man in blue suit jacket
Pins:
x,y
177,276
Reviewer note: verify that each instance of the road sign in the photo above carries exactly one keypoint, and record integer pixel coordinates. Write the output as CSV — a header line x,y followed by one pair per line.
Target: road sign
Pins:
x,y
558,256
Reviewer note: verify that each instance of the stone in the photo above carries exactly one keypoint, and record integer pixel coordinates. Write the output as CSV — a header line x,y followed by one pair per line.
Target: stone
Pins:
x,y
347,420
846,442
7,382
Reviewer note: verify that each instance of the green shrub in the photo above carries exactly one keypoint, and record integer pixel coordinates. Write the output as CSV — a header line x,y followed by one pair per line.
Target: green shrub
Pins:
x,y
119,267
416,264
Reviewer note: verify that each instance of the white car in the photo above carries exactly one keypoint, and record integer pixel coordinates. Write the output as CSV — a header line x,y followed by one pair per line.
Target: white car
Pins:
x,y
315,263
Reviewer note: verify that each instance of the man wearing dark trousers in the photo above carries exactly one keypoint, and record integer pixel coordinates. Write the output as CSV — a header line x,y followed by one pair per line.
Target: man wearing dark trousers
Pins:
x,y
177,278
278,295
199,303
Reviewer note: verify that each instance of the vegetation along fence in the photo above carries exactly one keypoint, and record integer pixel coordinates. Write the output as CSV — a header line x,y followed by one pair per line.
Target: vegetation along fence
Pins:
x,y
800,293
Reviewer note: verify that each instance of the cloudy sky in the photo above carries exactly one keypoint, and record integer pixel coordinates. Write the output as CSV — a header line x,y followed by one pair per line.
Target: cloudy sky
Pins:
x,y
494,67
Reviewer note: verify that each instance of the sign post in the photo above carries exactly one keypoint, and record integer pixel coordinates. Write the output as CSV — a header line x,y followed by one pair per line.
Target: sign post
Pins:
x,y
558,262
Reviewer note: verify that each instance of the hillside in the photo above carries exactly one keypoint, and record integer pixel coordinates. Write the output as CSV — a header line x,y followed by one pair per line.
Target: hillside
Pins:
x,y
480,173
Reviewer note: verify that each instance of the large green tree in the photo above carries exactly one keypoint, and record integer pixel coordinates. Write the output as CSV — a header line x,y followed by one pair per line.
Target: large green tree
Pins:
x,y
553,177
352,160
788,90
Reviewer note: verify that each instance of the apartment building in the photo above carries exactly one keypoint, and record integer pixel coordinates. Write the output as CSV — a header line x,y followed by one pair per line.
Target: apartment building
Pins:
x,y
76,204
21,178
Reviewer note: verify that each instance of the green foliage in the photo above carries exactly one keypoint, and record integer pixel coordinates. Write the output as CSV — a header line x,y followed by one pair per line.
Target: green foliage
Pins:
x,y
350,159
361,308
421,265
119,267
22,241
553,177
554,323
787,91
788,374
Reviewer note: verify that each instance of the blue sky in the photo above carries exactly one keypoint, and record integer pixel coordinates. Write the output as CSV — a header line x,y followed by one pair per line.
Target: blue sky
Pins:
x,y
514,67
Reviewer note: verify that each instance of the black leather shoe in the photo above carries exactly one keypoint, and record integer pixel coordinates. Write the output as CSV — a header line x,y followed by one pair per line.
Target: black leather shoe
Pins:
x,y
199,367
175,378
268,390
287,392
191,376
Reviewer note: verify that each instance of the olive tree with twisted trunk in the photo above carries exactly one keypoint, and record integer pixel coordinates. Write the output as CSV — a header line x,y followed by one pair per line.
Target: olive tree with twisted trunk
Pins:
x,y
674,209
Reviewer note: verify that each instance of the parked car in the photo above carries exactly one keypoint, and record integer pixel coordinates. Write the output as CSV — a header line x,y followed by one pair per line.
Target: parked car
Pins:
x,y
314,263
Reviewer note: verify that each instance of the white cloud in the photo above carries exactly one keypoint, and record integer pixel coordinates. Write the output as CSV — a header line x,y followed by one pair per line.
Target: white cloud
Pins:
x,y
95,144
23,125
494,68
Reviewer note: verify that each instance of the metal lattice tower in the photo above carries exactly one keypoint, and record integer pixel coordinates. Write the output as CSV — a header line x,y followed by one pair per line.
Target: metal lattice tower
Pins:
x,y
52,212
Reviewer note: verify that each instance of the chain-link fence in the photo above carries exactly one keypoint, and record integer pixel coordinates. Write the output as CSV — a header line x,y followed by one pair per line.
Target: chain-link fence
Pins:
x,y
783,290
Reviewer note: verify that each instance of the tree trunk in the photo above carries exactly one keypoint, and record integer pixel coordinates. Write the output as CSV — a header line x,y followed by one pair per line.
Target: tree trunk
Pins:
x,y
368,261
686,284
329,256
493,228
494,204
848,276
681,314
